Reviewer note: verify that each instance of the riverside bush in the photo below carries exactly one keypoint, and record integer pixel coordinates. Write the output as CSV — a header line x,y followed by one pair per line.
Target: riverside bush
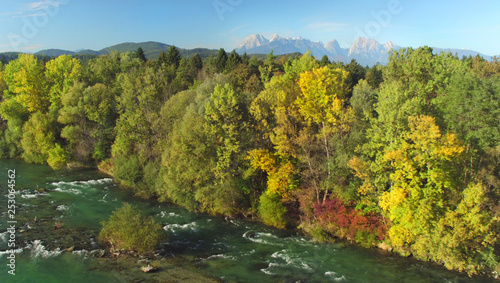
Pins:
x,y
128,229
272,210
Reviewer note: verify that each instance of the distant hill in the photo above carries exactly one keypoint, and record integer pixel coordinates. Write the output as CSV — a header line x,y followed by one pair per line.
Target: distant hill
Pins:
x,y
5,57
151,50
460,52
54,52
87,52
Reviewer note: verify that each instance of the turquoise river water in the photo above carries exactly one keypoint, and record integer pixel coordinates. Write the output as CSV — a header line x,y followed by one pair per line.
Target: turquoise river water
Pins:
x,y
58,218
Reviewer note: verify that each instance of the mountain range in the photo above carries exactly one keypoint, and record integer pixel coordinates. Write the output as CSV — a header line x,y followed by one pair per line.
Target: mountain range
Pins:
x,y
365,51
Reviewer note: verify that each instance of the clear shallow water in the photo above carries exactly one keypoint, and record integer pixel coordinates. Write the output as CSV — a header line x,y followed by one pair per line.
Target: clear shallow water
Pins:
x,y
226,249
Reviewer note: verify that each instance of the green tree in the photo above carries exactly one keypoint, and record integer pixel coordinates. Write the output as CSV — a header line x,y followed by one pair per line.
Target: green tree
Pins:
x,y
101,111
221,60
363,100
324,61
245,59
105,69
412,81
127,228
186,154
272,210
356,73
269,67
38,138
224,115
140,54
61,73
233,61
374,76
467,235
38,142
173,56
196,62
162,58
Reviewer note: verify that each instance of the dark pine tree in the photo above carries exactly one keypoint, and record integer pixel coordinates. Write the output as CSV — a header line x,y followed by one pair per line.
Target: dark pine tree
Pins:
x,y
233,61
140,54
174,56
324,61
356,73
245,59
221,60
162,59
374,76
196,61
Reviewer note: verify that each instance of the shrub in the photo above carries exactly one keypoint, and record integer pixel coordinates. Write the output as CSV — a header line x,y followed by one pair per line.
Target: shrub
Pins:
x,y
345,221
128,229
57,157
128,170
272,210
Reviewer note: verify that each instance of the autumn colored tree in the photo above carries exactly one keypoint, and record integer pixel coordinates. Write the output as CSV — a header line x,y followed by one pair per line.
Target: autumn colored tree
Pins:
x,y
322,103
423,198
26,84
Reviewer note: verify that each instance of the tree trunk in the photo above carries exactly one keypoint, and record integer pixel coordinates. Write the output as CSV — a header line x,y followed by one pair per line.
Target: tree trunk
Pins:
x,y
327,162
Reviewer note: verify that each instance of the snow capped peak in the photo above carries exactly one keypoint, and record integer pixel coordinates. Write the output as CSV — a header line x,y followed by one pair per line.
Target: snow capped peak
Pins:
x,y
390,45
365,45
332,45
252,41
364,50
275,37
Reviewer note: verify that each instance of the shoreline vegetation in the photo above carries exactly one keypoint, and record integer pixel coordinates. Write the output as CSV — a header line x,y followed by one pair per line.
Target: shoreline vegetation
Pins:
x,y
403,157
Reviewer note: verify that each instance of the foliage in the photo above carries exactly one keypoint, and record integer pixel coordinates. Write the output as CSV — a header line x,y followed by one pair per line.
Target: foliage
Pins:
x,y
26,84
272,210
344,221
128,169
128,229
405,153
221,60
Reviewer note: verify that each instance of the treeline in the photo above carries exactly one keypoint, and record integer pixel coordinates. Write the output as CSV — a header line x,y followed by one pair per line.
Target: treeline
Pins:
x,y
405,156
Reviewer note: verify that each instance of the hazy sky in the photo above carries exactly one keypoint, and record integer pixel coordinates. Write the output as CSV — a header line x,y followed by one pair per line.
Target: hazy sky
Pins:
x,y
29,26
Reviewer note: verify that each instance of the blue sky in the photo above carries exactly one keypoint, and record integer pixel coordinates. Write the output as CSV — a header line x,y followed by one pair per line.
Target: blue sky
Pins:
x,y
32,25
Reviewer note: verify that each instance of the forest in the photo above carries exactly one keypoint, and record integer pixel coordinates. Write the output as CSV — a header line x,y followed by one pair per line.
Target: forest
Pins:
x,y
405,157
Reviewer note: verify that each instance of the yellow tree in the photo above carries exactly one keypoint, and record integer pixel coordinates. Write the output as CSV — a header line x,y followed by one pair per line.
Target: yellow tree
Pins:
x,y
61,73
277,122
423,183
26,83
321,104
466,236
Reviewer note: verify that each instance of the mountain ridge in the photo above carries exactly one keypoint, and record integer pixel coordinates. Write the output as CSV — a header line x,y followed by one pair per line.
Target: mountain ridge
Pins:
x,y
152,50
365,51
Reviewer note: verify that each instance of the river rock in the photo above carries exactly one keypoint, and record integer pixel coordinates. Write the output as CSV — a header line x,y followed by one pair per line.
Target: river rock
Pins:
x,y
385,247
148,268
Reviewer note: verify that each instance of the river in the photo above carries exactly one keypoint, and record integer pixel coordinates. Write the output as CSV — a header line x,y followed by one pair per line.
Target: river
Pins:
x,y
58,218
